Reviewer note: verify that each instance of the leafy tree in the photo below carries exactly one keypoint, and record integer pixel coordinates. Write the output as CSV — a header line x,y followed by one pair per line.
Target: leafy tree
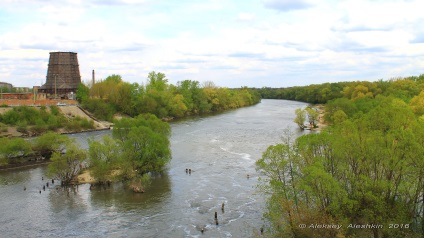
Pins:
x,y
101,109
14,147
300,118
366,169
417,104
140,148
177,106
157,81
339,117
312,116
83,92
50,142
105,159
65,166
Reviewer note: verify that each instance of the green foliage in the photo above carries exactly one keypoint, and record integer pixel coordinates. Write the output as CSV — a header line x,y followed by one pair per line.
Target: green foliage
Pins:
x,y
22,127
105,158
312,116
402,88
140,147
417,104
367,168
65,166
54,110
300,118
50,142
14,147
83,93
101,109
29,120
3,127
145,142
162,99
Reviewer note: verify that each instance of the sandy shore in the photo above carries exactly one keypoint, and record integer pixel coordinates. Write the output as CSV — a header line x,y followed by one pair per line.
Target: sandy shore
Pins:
x,y
85,177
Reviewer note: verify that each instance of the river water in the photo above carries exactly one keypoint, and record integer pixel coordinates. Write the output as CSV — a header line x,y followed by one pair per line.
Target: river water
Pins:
x,y
221,151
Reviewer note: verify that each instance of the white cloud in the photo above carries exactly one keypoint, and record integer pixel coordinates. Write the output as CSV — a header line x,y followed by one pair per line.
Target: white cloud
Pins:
x,y
234,43
245,16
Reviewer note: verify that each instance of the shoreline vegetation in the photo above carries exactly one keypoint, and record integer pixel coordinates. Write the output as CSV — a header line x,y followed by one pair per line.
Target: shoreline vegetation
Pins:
x,y
139,146
365,167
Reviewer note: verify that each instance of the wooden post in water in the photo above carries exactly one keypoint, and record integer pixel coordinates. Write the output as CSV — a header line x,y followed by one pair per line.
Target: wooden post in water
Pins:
x,y
216,218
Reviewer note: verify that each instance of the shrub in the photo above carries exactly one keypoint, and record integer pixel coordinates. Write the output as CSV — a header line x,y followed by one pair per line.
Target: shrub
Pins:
x,y
22,127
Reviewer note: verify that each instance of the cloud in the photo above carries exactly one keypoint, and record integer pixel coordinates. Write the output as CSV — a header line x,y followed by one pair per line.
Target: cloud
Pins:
x,y
246,55
286,5
236,43
418,38
244,16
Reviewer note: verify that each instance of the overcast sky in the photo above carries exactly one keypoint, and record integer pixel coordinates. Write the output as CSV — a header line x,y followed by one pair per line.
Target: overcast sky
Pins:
x,y
256,43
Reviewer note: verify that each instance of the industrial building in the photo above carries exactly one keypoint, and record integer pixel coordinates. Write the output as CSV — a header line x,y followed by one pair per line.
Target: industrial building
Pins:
x,y
63,76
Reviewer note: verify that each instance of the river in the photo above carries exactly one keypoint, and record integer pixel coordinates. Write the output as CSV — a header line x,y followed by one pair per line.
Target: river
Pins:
x,y
221,151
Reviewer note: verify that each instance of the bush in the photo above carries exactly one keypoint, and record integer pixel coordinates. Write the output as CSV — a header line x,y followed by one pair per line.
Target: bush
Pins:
x,y
22,127
100,109
54,110
40,126
3,127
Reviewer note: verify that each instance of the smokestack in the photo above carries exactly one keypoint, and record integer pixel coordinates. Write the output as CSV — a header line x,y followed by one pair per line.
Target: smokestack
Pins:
x,y
93,77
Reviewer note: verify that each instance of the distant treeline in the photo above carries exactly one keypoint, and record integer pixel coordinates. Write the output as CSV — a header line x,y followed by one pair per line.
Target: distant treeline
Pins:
x,y
158,97
404,88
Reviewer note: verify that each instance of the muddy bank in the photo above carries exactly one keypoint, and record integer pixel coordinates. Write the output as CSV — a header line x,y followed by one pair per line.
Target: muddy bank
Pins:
x,y
25,161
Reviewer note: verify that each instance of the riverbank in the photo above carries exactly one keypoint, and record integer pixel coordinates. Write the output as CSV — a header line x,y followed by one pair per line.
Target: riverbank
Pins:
x,y
69,111
25,164
84,177
221,149
320,108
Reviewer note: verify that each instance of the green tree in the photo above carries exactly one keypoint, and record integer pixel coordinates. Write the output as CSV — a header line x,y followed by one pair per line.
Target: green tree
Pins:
x,y
145,148
83,93
339,116
300,118
312,116
65,166
366,169
50,142
14,147
417,104
106,159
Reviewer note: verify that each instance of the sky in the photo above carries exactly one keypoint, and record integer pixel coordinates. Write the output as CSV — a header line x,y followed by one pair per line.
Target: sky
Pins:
x,y
233,43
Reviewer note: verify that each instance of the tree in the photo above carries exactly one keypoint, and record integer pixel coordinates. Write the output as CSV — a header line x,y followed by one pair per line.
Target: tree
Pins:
x,y
145,148
157,81
365,169
177,106
83,93
105,159
312,116
49,143
339,116
300,118
67,165
417,104
14,147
